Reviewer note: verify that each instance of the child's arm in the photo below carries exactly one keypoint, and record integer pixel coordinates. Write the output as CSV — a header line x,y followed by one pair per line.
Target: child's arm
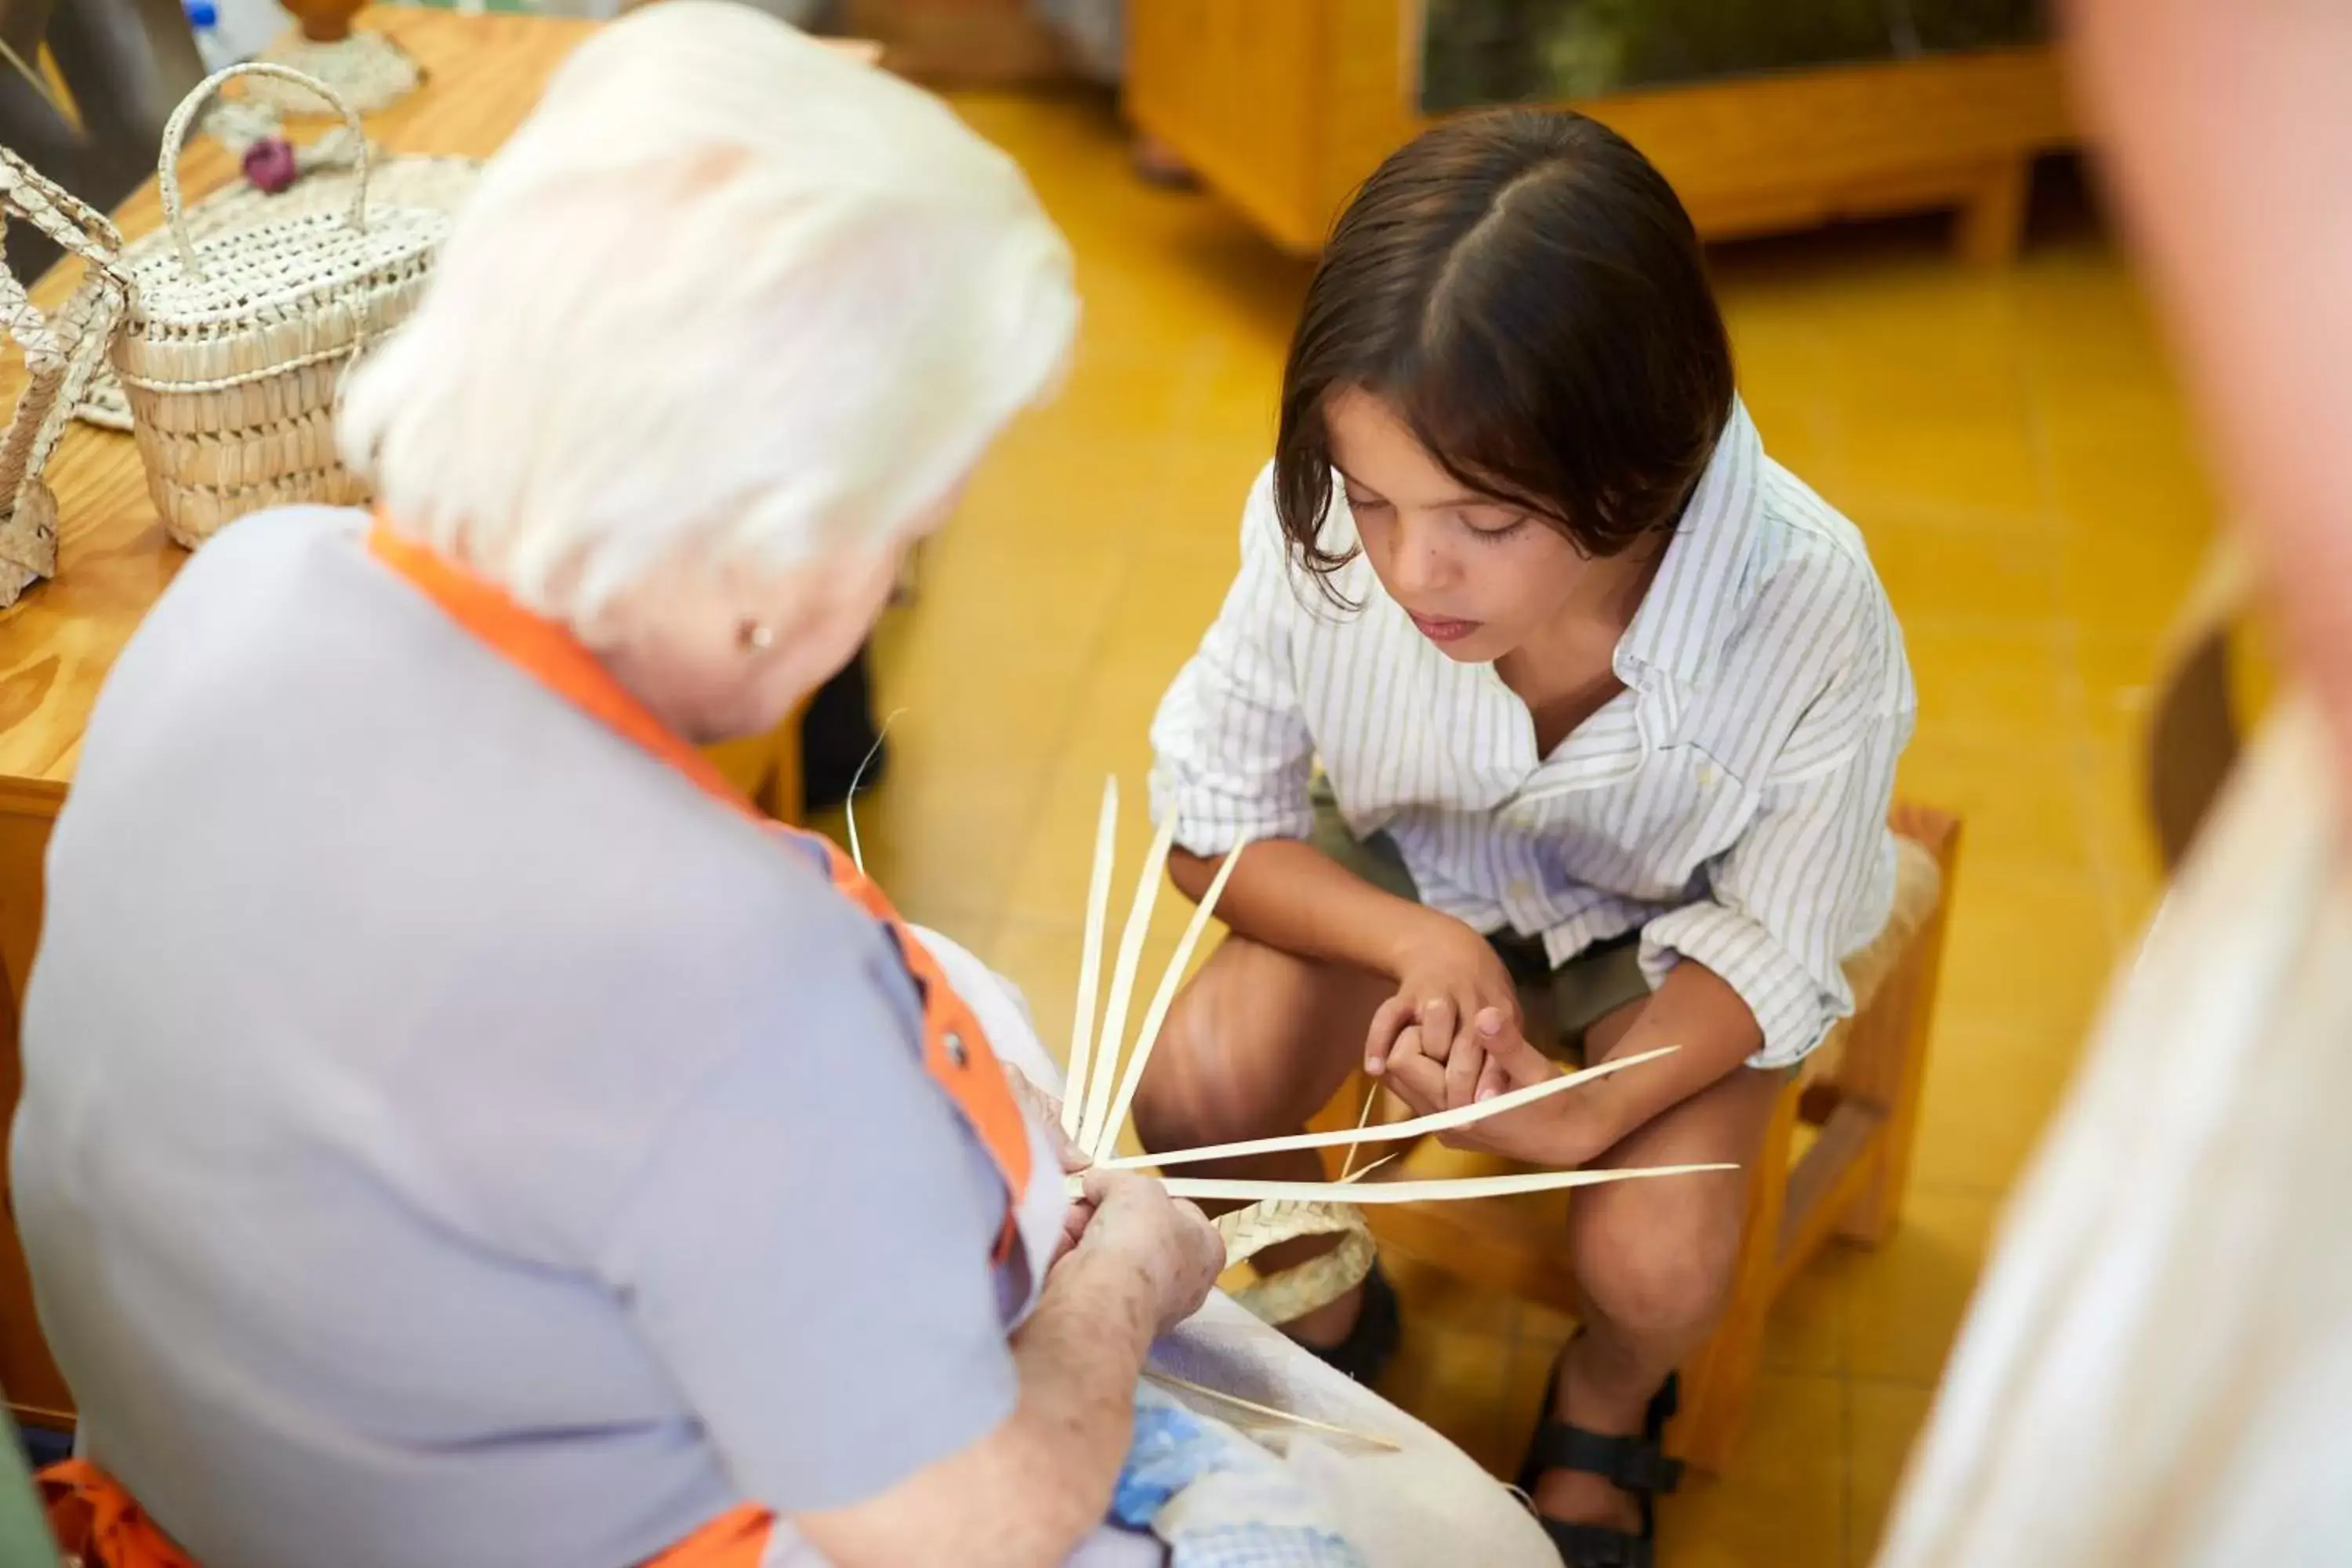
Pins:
x,y
1291,896
1234,759
1695,1011
1754,972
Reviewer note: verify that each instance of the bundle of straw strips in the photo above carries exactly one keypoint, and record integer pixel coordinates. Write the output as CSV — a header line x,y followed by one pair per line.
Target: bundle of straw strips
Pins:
x,y
1101,1092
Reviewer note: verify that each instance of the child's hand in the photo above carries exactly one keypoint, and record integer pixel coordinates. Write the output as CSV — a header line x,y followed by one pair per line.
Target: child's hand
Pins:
x,y
1555,1130
1453,988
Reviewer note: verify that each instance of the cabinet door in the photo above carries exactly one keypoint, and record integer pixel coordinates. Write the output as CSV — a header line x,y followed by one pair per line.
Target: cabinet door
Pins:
x,y
1240,89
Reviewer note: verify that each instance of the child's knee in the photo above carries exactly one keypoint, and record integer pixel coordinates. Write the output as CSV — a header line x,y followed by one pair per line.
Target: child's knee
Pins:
x,y
1174,1104
1203,1085
1655,1262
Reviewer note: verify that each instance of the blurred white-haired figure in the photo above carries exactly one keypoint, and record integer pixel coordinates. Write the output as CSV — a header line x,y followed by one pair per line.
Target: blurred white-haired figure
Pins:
x,y
484,1140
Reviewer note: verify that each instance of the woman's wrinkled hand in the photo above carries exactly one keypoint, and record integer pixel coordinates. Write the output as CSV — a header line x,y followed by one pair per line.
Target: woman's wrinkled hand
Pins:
x,y
1047,1111
1168,1240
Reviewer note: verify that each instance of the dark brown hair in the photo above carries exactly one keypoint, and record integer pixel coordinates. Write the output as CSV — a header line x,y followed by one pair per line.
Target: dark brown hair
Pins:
x,y
1527,293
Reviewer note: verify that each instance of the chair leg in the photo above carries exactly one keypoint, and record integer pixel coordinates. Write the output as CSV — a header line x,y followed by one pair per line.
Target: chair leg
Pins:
x,y
1718,1382
1885,1064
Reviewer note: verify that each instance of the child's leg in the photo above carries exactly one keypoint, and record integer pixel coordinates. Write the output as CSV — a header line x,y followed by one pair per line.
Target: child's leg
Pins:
x,y
1654,1261
1258,1042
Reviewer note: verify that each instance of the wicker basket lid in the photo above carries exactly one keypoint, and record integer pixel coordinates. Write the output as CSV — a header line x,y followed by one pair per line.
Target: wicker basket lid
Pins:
x,y
277,266
256,272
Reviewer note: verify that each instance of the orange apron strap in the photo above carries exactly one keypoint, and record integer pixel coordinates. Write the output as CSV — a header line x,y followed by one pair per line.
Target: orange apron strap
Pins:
x,y
733,1540
97,1523
956,1051
955,1047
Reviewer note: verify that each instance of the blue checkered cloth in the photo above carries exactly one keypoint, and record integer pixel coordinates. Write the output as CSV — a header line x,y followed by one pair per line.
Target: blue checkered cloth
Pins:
x,y
1217,1499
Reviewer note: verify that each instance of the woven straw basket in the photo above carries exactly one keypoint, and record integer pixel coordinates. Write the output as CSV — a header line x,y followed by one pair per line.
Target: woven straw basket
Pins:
x,y
234,344
62,352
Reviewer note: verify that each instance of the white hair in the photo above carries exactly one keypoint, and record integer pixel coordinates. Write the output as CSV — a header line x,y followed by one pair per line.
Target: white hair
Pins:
x,y
727,291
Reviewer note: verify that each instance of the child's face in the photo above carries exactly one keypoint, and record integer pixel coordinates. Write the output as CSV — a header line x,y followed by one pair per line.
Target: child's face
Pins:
x,y
1480,577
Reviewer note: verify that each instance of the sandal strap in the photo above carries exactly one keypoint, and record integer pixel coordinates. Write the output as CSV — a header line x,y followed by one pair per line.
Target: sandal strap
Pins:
x,y
1664,1407
1597,1546
1636,1463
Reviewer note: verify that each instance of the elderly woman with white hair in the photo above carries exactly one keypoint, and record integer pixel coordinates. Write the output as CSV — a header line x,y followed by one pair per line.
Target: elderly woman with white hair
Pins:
x,y
455,1129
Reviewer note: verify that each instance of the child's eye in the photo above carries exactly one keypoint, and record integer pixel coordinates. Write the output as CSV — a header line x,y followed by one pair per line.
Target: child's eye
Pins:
x,y
1491,533
1365,503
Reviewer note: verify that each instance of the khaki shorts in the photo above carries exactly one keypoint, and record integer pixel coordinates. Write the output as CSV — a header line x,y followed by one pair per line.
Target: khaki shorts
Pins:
x,y
1579,994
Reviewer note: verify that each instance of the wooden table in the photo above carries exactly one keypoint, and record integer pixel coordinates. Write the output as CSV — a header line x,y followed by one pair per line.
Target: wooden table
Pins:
x,y
57,643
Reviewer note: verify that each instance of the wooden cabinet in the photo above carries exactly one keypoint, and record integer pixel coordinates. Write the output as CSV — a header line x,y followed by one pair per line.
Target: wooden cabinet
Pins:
x,y
1284,106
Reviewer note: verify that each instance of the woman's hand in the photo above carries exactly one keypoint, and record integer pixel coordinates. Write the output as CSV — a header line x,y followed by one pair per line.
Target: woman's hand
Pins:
x,y
1046,1110
1559,1130
1456,992
1168,1239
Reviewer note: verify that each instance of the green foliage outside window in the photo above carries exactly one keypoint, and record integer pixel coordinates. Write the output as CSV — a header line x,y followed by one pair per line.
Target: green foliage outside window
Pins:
x,y
1492,51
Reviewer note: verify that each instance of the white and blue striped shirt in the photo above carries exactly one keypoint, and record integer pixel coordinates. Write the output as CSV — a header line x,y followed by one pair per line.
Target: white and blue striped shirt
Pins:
x,y
1730,802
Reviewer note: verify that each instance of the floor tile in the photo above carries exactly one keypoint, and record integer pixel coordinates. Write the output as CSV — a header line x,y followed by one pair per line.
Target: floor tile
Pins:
x,y
1905,1300
1989,1093
2005,829
2029,951
1991,676
1457,1380
1933,561
1885,1419
1806,1331
1781,1499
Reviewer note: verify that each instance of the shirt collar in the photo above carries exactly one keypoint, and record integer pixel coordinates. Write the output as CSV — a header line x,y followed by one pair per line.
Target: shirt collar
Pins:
x,y
1694,604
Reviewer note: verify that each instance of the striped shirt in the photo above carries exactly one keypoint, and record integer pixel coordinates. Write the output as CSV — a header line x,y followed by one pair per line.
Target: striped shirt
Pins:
x,y
1730,803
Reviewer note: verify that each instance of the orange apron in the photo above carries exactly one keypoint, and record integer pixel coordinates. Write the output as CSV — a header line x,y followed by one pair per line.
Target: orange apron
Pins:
x,y
93,1516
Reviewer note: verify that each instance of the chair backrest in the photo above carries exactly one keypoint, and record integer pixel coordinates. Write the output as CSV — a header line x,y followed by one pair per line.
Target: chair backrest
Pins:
x,y
2196,725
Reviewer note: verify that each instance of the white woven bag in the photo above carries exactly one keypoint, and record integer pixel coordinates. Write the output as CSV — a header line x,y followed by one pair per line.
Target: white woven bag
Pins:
x,y
235,343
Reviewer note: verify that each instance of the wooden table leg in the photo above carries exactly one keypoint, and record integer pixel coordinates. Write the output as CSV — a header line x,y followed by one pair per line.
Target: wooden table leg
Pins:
x,y
1991,227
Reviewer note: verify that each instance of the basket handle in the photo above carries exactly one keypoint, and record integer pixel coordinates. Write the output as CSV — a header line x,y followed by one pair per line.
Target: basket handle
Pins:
x,y
78,229
175,134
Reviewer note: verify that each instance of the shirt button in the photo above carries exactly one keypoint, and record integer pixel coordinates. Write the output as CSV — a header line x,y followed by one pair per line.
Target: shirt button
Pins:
x,y
955,1049
1708,776
1522,890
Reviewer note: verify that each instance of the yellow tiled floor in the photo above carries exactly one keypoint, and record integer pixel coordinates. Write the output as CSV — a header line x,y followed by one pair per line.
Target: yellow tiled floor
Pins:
x,y
2014,449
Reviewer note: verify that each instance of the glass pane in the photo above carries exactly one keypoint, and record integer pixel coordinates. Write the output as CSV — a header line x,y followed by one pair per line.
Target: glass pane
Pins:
x,y
1501,51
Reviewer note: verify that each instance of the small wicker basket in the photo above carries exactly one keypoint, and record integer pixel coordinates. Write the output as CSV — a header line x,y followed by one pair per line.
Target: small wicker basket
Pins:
x,y
234,344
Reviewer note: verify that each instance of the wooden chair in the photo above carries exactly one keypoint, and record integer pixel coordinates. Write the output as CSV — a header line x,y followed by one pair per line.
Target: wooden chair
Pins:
x,y
1860,1092
2194,729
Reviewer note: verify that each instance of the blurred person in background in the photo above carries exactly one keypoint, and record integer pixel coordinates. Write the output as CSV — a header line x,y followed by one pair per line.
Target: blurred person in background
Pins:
x,y
2157,1371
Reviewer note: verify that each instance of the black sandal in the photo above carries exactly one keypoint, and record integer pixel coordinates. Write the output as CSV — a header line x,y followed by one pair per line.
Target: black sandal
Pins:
x,y
1639,1465
1365,1353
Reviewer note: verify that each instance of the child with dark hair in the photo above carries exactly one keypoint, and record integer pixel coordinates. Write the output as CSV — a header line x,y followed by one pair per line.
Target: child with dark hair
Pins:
x,y
1606,705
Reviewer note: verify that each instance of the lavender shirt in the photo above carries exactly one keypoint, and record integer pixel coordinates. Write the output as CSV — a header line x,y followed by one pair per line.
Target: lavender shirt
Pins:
x,y
450,1138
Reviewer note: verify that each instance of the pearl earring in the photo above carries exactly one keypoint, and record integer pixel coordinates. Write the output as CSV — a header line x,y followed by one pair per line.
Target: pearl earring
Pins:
x,y
756,636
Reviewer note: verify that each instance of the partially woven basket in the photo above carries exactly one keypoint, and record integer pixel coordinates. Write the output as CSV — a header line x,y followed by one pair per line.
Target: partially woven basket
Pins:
x,y
236,344
62,352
